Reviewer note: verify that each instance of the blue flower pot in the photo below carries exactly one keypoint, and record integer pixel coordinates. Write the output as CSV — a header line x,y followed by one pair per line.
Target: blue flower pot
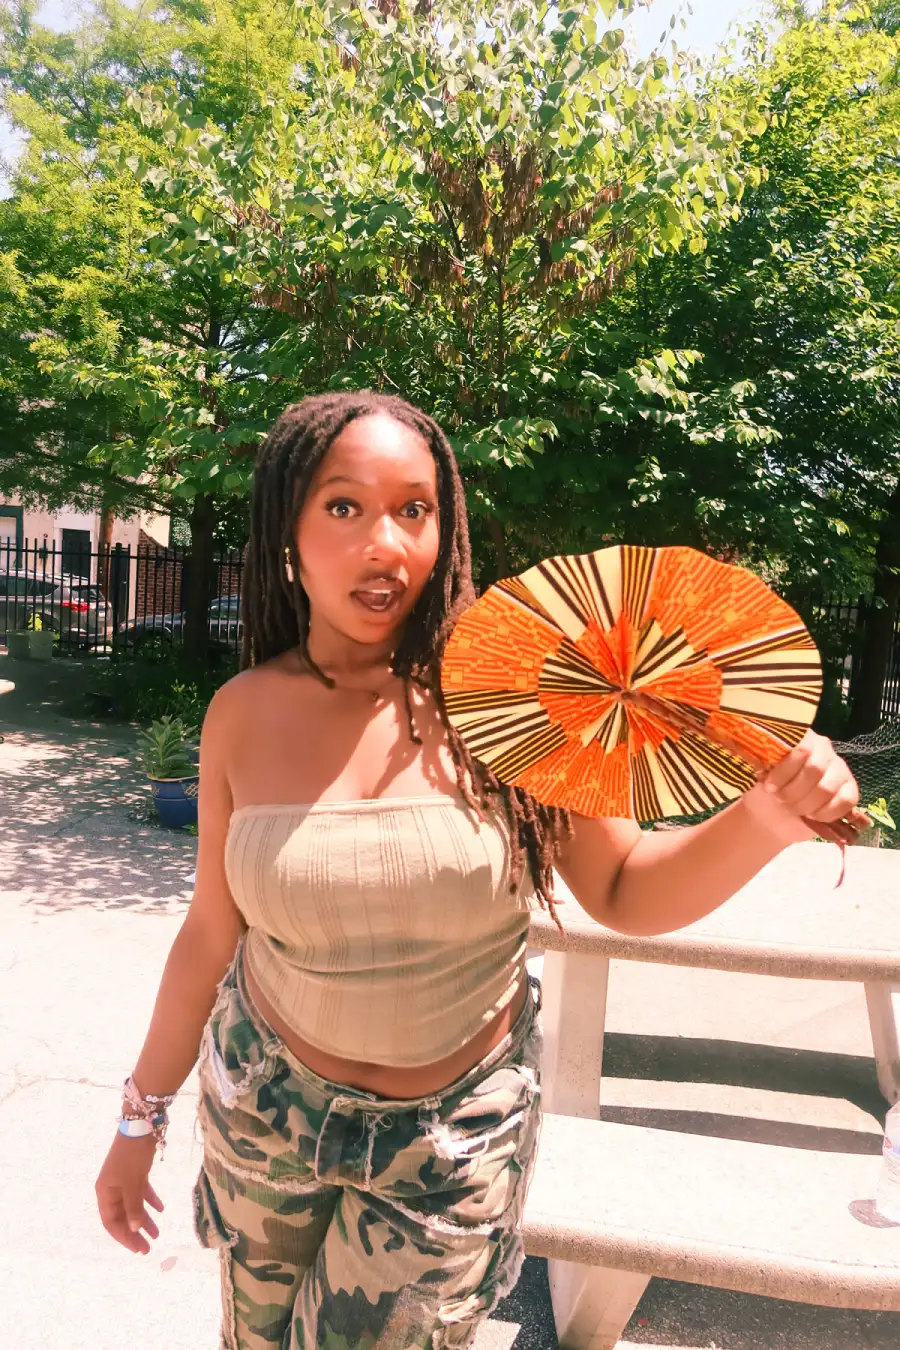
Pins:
x,y
176,800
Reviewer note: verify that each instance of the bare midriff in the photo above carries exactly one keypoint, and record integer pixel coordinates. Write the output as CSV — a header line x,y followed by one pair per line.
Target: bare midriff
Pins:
x,y
384,1079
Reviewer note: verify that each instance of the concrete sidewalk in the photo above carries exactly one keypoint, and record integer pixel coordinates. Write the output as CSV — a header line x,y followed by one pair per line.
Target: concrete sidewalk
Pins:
x,y
90,900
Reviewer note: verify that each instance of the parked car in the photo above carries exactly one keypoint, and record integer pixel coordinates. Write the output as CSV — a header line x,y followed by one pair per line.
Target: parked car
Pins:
x,y
71,606
223,623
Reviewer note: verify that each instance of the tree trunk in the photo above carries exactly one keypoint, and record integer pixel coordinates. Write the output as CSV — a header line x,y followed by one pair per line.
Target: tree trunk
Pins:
x,y
104,544
498,540
878,632
201,580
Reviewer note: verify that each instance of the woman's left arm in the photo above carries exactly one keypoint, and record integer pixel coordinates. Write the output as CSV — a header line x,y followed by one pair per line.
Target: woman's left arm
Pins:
x,y
645,882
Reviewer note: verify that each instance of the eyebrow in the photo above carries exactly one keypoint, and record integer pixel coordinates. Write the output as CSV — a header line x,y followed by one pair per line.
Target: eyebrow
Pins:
x,y
342,478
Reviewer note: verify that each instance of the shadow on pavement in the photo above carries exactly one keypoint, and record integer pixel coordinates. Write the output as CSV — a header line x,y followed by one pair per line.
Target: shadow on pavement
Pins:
x,y
696,1317
72,800
673,1314
721,1125
775,1068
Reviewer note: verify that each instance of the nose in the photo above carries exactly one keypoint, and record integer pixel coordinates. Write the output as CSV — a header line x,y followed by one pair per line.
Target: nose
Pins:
x,y
385,540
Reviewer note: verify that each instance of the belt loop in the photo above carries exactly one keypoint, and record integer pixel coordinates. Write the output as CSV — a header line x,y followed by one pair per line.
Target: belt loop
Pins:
x,y
427,1106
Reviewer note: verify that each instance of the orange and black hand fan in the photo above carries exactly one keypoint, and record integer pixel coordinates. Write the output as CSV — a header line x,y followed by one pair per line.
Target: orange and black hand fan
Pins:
x,y
636,682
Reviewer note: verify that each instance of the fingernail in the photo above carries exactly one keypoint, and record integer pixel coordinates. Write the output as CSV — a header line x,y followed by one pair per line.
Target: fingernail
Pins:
x,y
134,1225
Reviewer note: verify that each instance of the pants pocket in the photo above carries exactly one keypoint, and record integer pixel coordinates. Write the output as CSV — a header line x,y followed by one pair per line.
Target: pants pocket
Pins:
x,y
214,1234
209,1226
234,1059
494,1117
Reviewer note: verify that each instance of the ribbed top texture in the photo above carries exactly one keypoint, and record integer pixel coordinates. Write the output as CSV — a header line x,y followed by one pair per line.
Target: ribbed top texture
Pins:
x,y
380,930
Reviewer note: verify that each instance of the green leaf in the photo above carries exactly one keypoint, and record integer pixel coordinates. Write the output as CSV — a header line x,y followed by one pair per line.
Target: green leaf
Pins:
x,y
878,813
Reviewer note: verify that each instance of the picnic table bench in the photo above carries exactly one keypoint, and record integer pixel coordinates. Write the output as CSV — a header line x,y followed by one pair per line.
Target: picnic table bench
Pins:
x,y
612,1204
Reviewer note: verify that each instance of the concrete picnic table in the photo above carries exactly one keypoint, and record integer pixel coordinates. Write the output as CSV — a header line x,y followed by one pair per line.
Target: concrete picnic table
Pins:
x,y
792,919
614,1204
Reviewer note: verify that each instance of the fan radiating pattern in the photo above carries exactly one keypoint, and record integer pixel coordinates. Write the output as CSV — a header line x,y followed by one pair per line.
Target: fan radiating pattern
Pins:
x,y
632,682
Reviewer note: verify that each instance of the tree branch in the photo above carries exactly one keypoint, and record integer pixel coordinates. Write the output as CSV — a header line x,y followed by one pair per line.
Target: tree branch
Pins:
x,y
454,232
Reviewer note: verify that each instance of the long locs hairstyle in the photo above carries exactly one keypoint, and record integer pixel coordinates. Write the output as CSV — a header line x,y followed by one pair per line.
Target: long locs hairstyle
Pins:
x,y
276,608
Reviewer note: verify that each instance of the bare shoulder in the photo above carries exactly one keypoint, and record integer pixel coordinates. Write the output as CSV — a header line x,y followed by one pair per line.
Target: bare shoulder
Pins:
x,y
237,704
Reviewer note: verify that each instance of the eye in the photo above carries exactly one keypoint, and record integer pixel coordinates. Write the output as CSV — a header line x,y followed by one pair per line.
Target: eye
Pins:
x,y
341,508
417,510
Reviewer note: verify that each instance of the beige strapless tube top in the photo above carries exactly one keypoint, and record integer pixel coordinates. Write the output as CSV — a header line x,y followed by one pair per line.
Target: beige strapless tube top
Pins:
x,y
383,930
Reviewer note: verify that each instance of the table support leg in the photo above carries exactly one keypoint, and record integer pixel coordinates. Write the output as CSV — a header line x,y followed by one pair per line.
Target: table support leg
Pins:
x,y
884,1019
592,1305
574,1012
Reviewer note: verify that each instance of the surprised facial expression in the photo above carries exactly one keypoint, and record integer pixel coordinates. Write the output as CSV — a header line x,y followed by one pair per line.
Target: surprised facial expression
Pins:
x,y
367,535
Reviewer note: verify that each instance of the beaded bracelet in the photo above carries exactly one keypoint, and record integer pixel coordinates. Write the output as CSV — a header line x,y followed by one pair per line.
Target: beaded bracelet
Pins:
x,y
152,1110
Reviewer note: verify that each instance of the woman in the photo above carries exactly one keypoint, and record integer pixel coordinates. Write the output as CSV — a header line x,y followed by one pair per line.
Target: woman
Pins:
x,y
352,967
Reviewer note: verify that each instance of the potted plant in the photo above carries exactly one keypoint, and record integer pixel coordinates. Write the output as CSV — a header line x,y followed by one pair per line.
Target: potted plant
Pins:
x,y
34,644
170,762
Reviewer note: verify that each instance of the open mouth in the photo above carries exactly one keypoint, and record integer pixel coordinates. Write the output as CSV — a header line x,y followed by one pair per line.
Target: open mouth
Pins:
x,y
380,598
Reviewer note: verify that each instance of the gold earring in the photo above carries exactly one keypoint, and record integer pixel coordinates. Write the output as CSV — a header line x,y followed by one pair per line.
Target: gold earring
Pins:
x,y
288,566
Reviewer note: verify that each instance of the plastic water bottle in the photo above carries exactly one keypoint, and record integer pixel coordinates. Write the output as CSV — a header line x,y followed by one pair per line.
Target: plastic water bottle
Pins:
x,y
887,1197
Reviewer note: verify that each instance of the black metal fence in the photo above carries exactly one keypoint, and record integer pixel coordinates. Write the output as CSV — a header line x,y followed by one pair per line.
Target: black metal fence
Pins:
x,y
839,628
113,600
121,600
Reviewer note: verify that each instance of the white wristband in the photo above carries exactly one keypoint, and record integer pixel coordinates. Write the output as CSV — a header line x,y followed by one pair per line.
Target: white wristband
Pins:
x,y
134,1129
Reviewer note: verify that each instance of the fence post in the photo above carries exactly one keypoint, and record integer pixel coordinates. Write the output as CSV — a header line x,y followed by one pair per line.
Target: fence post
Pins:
x,y
115,585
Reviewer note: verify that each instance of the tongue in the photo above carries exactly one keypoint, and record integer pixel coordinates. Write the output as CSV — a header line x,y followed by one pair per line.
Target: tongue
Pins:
x,y
373,601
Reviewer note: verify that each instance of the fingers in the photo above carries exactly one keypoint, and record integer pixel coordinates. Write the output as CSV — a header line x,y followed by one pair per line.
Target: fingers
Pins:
x,y
829,799
813,782
123,1190
142,1220
137,1217
835,831
152,1198
124,1216
118,1222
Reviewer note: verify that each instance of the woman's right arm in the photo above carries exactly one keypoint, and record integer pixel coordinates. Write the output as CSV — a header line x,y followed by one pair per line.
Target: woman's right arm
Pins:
x,y
200,956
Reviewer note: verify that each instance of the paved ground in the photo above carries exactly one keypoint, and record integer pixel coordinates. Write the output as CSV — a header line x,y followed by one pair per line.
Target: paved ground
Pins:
x,y
90,899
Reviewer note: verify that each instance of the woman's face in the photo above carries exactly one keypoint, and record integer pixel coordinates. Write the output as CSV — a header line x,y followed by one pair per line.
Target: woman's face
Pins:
x,y
367,534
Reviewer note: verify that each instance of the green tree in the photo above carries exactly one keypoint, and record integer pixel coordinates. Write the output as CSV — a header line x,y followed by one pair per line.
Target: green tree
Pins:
x,y
166,342
62,255
469,208
505,171
798,300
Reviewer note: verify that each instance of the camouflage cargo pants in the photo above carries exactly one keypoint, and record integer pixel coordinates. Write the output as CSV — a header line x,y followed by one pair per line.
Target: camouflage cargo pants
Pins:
x,y
345,1221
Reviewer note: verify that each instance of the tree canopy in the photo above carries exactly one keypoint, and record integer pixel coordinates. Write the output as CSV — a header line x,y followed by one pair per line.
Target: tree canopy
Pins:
x,y
648,301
